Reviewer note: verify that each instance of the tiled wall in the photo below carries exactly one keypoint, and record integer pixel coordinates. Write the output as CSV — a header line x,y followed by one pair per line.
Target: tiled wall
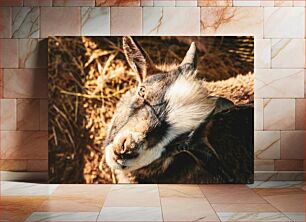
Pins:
x,y
278,27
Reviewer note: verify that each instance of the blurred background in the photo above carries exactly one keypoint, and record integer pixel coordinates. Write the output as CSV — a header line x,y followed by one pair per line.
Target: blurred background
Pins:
x,y
88,75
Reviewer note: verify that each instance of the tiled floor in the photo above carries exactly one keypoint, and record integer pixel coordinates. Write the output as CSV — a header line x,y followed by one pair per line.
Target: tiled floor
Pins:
x,y
262,201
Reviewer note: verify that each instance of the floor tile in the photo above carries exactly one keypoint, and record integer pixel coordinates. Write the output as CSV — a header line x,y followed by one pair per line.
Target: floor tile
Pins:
x,y
286,199
130,195
130,214
180,190
96,191
295,216
72,204
63,216
9,188
230,194
19,208
187,209
251,216
262,207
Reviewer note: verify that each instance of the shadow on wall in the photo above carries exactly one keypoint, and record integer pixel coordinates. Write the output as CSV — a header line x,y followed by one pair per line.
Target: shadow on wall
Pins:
x,y
24,147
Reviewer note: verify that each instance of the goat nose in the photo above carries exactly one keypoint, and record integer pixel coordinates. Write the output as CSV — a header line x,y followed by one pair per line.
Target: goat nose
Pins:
x,y
124,146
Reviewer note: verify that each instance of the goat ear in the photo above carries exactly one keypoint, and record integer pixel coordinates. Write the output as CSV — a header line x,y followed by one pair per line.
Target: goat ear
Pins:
x,y
137,58
190,58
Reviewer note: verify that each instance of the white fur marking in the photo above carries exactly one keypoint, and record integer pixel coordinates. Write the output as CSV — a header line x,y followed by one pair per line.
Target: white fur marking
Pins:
x,y
188,105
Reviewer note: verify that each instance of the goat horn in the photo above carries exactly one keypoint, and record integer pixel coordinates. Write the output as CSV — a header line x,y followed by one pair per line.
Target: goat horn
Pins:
x,y
190,56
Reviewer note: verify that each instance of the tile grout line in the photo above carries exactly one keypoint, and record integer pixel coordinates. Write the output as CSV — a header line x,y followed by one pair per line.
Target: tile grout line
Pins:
x,y
209,203
160,204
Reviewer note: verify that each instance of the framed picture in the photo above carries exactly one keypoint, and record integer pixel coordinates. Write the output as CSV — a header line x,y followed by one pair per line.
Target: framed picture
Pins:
x,y
162,109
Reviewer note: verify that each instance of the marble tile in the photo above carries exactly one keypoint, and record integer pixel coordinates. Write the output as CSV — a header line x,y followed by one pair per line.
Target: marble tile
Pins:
x,y
279,114
289,165
266,3
276,184
5,22
13,165
133,196
262,207
232,21
253,216
305,83
219,3
267,145
300,114
8,53
25,22
187,209
37,165
92,191
68,3
37,2
25,83
119,18
71,204
23,144
125,3
43,114
285,200
230,194
130,214
171,21
295,216
263,165
179,190
8,114
5,3
33,53
258,114
278,3
278,22
262,53
163,3
277,83
63,216
146,2
292,144
52,16
1,83
237,3
186,3
27,114
299,3
9,188
18,208
282,51
95,21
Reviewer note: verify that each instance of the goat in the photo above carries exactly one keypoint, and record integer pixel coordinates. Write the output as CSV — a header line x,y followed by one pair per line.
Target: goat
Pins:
x,y
169,130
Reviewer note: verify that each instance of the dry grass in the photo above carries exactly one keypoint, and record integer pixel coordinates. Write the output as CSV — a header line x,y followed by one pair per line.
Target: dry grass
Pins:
x,y
88,76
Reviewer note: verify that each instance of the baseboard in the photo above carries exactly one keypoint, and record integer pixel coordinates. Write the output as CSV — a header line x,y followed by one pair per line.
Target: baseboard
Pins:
x,y
37,177
279,175
42,177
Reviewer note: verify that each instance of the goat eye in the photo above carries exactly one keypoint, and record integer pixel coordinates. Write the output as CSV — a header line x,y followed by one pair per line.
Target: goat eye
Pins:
x,y
142,91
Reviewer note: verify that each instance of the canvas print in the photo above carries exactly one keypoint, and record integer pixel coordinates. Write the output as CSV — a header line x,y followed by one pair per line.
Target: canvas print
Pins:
x,y
160,109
